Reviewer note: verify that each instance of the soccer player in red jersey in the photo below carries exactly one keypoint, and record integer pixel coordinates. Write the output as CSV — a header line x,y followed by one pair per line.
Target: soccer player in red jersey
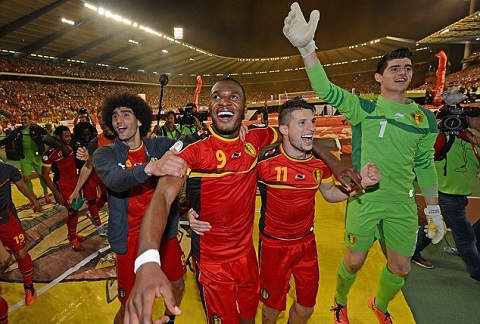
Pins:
x,y
289,177
65,177
88,179
222,187
11,231
129,168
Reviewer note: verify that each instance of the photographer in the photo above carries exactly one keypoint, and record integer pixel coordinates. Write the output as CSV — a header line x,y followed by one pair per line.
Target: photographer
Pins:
x,y
84,116
190,121
458,164
169,129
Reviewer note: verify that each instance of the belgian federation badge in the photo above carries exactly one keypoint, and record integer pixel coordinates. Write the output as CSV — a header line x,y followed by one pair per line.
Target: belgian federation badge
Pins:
x,y
417,117
215,319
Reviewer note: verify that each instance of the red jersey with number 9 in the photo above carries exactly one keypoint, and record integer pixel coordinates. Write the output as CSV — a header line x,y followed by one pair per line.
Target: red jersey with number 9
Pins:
x,y
222,186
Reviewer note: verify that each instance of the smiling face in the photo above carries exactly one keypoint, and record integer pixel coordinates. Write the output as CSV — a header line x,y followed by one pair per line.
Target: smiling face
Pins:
x,y
126,125
66,137
227,108
298,133
396,77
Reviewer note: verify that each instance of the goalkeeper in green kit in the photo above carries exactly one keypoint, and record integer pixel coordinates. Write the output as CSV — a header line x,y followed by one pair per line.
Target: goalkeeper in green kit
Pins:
x,y
398,136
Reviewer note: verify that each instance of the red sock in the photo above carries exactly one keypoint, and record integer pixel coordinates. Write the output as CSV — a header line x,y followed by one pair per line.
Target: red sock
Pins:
x,y
3,311
101,201
93,209
25,265
72,221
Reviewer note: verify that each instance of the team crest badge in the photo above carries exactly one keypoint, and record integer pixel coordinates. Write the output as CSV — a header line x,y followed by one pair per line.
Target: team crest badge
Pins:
x,y
250,150
317,174
264,293
417,117
215,319
351,238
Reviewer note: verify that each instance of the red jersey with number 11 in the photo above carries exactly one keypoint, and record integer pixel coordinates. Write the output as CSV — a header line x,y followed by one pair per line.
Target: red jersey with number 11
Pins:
x,y
288,187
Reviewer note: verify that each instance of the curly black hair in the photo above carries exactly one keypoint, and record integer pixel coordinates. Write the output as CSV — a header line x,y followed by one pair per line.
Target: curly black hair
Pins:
x,y
285,111
81,126
140,108
399,53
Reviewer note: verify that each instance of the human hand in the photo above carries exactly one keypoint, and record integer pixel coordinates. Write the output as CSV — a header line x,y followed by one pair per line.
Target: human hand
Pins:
x,y
342,171
371,175
435,227
196,225
59,199
169,164
150,283
243,132
74,196
298,31
36,206
473,136
82,154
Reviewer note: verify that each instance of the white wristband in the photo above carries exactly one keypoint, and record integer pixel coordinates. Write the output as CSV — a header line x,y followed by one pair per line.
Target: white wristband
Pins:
x,y
151,255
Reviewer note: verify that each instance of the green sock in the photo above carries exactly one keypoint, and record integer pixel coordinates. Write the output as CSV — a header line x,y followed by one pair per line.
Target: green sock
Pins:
x,y
390,285
345,280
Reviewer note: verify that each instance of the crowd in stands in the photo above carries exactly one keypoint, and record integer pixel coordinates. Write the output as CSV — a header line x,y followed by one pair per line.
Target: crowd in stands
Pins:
x,y
55,99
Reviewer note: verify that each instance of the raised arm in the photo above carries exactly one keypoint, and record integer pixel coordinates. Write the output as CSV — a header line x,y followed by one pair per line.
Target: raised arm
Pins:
x,y
300,33
151,282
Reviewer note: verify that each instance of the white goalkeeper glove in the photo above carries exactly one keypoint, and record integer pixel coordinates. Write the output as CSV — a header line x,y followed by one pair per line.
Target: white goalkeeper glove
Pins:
x,y
298,32
435,227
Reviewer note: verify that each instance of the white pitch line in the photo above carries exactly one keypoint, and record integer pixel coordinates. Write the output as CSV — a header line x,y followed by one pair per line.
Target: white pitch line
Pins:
x,y
62,276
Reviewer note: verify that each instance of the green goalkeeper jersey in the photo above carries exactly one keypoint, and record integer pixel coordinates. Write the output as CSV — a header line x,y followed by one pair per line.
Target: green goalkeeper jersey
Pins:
x,y
398,138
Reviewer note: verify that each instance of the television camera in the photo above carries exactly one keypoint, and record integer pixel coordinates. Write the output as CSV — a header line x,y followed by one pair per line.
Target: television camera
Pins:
x,y
452,116
188,115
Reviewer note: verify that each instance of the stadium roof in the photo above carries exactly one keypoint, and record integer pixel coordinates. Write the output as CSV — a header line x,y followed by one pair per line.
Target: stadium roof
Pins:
x,y
88,34
460,32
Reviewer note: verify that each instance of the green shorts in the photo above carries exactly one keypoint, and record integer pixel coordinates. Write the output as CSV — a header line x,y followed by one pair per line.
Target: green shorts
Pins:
x,y
30,163
367,221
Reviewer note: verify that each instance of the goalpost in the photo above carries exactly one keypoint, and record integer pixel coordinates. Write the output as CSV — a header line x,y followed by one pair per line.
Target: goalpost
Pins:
x,y
282,97
322,109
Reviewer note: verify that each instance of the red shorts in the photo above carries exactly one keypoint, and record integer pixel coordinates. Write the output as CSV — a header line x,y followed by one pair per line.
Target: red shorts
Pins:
x,y
12,234
90,186
171,257
66,192
280,259
229,291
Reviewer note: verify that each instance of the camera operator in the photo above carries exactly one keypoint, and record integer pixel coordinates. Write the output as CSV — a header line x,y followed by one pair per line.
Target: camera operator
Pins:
x,y
458,167
190,121
169,129
84,116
